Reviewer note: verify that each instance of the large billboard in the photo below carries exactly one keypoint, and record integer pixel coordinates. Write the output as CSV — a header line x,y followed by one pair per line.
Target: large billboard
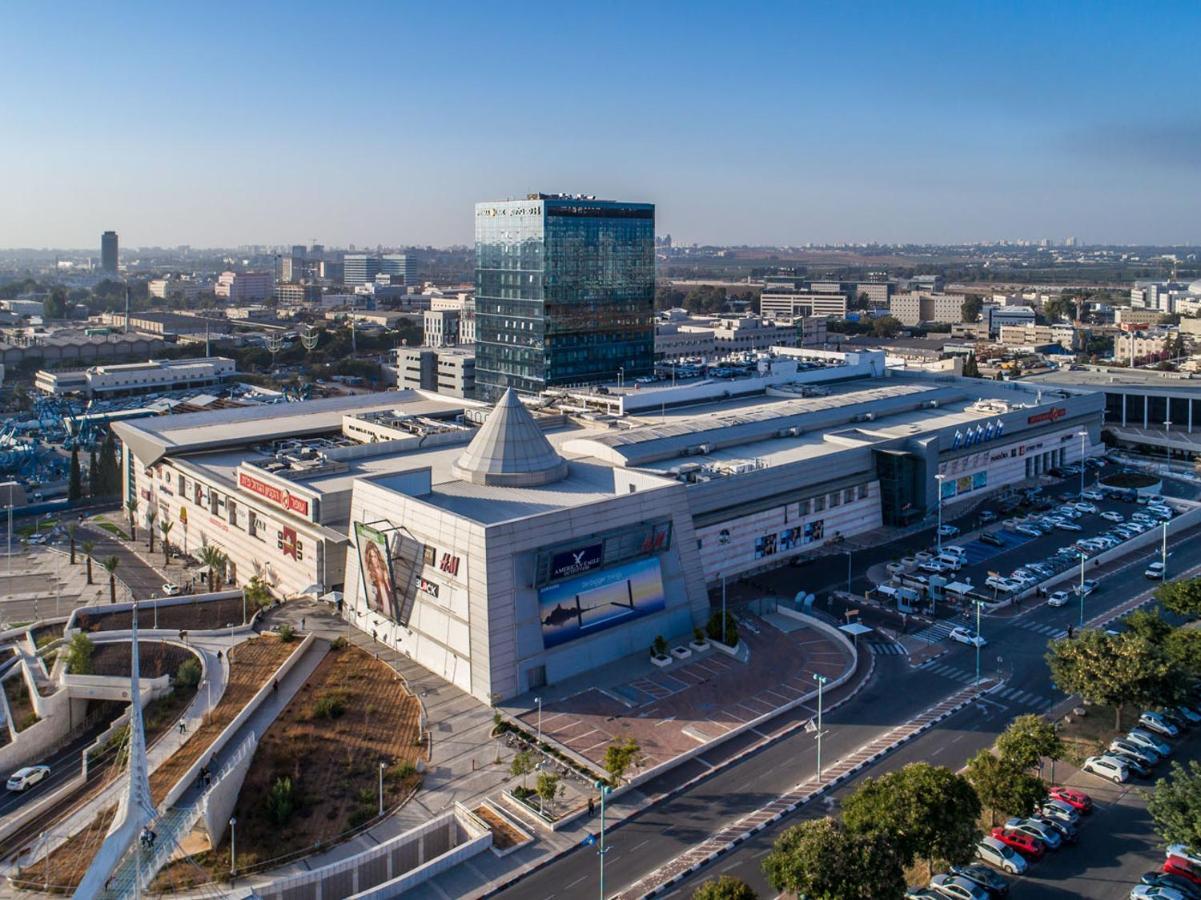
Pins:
x,y
375,566
590,603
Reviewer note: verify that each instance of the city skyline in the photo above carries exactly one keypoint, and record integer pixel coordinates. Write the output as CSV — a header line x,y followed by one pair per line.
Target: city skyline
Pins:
x,y
779,126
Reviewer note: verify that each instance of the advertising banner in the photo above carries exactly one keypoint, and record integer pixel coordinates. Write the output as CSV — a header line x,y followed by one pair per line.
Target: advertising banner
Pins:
x,y
594,602
375,566
577,561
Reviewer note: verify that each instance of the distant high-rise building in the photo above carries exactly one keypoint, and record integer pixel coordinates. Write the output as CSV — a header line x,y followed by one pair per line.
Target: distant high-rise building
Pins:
x,y
108,252
396,267
359,268
565,292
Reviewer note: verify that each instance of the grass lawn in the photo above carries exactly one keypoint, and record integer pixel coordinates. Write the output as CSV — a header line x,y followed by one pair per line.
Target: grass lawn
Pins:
x,y
113,530
1088,735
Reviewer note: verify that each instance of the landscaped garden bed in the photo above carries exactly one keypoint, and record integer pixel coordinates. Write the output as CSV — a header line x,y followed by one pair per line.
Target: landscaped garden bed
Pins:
x,y
197,615
506,837
315,775
19,702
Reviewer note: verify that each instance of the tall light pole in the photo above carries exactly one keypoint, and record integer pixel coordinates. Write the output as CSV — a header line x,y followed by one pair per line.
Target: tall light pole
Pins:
x,y
821,681
1083,557
1163,553
939,478
848,574
538,700
1083,435
233,847
604,792
978,640
382,766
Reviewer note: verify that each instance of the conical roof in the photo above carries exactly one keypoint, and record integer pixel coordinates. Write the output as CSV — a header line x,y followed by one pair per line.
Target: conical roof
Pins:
x,y
510,449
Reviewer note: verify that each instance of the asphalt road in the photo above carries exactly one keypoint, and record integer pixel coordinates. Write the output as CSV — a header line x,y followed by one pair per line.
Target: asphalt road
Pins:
x,y
64,765
897,692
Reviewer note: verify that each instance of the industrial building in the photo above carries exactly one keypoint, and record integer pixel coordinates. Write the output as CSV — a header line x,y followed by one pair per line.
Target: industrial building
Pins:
x,y
136,378
514,546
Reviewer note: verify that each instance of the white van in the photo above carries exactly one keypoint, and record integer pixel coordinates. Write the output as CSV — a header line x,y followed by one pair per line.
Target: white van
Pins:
x,y
950,560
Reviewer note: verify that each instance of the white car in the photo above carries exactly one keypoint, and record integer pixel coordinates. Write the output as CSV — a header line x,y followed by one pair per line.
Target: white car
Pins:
x,y
1001,855
1107,767
1154,571
948,531
24,779
1093,495
170,590
1067,525
934,567
1156,892
1059,598
1110,516
967,636
1004,585
894,568
1028,530
1085,507
1070,511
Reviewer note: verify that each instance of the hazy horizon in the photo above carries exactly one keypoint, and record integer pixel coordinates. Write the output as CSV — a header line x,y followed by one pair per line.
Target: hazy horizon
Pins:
x,y
772,125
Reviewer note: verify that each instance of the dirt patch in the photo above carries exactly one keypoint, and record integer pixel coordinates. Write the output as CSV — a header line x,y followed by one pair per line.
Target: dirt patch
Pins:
x,y
156,658
194,616
252,664
504,835
45,634
1085,736
331,759
19,703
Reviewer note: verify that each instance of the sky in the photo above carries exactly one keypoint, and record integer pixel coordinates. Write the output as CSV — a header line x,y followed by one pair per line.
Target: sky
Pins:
x,y
220,124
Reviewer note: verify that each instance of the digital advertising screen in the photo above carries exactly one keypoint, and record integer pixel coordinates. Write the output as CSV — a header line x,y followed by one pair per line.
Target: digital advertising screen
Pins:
x,y
594,602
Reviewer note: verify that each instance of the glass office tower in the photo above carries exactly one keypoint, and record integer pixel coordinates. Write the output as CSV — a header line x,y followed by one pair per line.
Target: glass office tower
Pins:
x,y
564,292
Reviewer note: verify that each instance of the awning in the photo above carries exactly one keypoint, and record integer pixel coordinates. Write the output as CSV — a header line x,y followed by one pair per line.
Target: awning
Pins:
x,y
855,629
958,587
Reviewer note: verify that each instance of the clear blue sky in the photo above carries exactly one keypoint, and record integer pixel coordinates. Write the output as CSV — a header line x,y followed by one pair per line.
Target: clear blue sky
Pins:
x,y
226,123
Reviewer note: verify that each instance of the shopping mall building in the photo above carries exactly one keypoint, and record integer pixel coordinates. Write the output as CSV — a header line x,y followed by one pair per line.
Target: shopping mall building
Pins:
x,y
514,546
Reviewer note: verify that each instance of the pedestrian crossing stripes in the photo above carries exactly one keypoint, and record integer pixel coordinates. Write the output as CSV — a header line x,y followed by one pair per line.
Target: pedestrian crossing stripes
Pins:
x,y
892,648
1051,631
1025,697
950,672
934,633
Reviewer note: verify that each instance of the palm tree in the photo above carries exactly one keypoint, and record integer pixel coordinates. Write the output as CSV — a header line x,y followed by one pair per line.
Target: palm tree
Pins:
x,y
110,566
215,560
132,506
165,527
71,529
151,515
88,548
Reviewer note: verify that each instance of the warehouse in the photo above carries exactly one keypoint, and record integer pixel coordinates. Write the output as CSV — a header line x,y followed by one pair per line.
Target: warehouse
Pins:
x,y
511,547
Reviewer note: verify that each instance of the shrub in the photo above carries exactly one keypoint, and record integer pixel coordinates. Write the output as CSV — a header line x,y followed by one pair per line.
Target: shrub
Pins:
x,y
188,673
714,629
659,647
339,643
281,801
329,706
79,655
287,633
401,771
361,815
698,635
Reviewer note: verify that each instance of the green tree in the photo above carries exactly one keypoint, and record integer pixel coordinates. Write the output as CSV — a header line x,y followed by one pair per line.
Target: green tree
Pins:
x,y
1149,625
971,368
887,326
93,475
823,860
547,786
724,887
281,801
89,547
188,674
79,654
1112,670
971,308
55,306
108,472
727,635
619,756
215,560
1027,740
165,527
75,480
522,765
1181,597
72,535
1002,787
131,506
1175,805
258,595
924,811
151,515
1183,649
110,566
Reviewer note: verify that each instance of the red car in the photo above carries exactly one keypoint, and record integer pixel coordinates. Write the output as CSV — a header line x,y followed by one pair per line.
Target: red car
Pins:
x,y
1031,848
1078,800
1174,865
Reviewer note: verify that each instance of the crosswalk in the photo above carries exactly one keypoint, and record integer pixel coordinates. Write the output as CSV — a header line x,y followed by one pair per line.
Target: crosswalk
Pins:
x,y
935,632
887,648
1051,631
951,672
1024,697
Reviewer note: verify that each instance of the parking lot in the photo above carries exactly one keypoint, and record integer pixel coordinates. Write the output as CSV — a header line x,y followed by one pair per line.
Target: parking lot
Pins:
x,y
1009,545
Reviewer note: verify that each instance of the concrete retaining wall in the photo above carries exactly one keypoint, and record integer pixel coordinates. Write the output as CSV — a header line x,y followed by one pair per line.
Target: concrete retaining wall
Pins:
x,y
222,797
59,713
126,606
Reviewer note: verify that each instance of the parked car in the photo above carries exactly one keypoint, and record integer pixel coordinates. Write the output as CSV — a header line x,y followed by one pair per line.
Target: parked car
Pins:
x,y
1059,598
1028,530
1036,829
1175,882
1156,892
1183,851
1156,723
1107,767
1154,571
1095,496
1111,516
988,516
947,531
23,779
934,567
967,636
1031,848
1141,738
956,887
1175,865
1067,525
1078,800
985,877
987,537
1150,757
1058,809
170,590
1068,832
996,852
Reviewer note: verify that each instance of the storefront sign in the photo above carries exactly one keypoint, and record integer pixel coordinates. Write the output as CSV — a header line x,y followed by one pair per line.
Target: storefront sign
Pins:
x,y
1054,414
577,561
283,498
449,564
428,587
288,543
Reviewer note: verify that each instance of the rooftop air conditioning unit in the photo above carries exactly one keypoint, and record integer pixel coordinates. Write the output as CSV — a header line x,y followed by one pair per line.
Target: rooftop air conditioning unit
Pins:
x,y
934,404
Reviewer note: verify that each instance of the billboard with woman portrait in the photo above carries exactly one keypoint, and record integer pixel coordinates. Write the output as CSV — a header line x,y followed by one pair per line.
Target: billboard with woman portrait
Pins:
x,y
375,566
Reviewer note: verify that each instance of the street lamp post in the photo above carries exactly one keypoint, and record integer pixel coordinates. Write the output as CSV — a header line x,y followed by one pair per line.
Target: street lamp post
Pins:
x,y
604,792
939,478
848,574
1163,553
538,700
821,681
723,610
978,641
233,847
1083,557
382,766
1083,435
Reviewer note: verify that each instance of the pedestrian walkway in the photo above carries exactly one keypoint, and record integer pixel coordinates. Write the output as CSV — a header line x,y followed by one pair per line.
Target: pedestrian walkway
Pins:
x,y
935,632
1052,631
1024,697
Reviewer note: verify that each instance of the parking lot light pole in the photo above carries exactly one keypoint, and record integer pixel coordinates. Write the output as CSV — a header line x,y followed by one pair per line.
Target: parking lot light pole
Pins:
x,y
538,700
1163,553
604,792
1082,435
821,681
978,603
1083,557
383,765
939,478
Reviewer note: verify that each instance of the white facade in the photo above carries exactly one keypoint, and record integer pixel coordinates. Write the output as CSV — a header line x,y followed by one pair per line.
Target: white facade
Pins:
x,y
795,304
245,287
137,378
